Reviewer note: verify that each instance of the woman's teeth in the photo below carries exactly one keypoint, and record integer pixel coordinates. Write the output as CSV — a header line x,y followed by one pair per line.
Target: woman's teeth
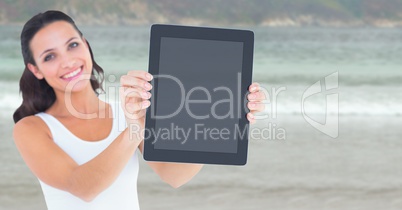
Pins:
x,y
72,74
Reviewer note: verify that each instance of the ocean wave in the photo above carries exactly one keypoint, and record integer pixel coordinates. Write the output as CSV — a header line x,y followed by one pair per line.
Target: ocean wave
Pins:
x,y
272,79
363,101
344,79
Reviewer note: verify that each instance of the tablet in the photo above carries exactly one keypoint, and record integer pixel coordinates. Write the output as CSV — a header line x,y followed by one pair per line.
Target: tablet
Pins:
x,y
198,104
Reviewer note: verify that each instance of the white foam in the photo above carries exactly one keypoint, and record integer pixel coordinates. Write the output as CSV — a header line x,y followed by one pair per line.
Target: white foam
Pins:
x,y
365,100
9,98
368,100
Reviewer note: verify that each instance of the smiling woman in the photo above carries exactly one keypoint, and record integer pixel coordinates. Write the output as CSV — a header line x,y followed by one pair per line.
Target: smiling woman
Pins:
x,y
37,95
81,162
72,56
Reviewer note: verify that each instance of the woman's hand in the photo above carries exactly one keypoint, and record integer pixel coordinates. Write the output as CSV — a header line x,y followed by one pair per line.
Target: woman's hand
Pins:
x,y
255,104
135,97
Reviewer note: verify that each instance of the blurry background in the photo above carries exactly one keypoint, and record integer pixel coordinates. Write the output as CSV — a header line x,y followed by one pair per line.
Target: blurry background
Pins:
x,y
297,43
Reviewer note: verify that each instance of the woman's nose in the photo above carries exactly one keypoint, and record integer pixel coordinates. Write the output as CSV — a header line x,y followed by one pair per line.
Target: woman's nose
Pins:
x,y
68,63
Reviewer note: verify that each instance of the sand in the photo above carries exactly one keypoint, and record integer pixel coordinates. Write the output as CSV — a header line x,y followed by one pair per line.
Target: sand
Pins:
x,y
308,170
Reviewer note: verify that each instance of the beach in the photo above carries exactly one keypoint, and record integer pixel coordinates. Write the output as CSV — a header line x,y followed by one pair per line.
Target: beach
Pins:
x,y
302,168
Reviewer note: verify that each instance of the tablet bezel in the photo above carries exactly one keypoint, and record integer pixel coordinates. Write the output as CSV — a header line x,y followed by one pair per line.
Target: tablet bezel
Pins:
x,y
190,32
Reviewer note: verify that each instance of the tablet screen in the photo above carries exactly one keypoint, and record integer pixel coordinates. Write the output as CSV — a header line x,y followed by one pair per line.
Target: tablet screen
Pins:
x,y
199,95
201,80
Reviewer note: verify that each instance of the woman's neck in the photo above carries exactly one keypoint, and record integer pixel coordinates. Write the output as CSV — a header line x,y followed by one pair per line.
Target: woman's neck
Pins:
x,y
84,104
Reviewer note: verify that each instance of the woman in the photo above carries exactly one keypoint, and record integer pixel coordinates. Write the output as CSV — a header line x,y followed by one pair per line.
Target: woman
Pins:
x,y
68,137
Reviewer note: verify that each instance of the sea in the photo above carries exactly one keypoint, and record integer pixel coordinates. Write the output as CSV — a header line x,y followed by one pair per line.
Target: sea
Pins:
x,y
330,136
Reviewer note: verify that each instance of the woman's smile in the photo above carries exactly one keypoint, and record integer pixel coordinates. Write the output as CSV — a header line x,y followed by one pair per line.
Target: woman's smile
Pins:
x,y
72,74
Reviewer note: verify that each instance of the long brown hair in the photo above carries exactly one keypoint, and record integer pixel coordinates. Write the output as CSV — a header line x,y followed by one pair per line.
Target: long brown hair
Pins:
x,y
38,95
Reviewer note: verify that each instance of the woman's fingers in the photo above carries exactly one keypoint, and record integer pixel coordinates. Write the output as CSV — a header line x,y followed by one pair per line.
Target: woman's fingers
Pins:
x,y
136,93
255,87
138,79
251,117
256,96
134,98
134,101
256,106
132,81
135,111
141,74
135,107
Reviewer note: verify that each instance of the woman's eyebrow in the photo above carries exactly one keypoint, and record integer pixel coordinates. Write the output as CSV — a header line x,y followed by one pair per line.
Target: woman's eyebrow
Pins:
x,y
53,48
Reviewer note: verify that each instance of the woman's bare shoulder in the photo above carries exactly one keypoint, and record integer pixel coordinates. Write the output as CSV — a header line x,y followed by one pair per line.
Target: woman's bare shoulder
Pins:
x,y
30,126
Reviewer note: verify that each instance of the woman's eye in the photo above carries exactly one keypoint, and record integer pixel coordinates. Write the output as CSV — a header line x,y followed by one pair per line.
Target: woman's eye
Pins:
x,y
49,57
73,45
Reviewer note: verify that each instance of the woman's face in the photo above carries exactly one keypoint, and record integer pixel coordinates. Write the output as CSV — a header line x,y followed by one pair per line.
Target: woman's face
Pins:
x,y
62,57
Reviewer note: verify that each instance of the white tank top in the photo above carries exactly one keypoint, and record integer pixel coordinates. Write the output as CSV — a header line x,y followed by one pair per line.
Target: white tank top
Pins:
x,y
121,195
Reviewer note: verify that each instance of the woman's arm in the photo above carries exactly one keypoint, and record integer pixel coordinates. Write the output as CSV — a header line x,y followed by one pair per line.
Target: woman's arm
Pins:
x,y
54,167
174,174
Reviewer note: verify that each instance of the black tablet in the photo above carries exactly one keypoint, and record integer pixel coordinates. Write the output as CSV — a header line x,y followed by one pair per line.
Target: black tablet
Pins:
x,y
200,86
